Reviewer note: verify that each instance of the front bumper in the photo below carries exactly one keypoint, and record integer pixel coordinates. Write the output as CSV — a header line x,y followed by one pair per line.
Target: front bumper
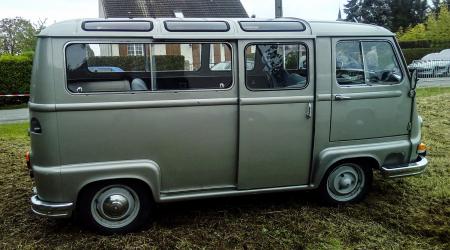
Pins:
x,y
413,168
51,209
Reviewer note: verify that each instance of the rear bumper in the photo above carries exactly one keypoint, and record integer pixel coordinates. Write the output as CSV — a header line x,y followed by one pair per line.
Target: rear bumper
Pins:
x,y
413,168
51,209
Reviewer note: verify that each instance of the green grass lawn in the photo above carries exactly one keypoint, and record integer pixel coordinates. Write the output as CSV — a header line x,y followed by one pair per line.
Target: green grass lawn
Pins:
x,y
14,106
409,213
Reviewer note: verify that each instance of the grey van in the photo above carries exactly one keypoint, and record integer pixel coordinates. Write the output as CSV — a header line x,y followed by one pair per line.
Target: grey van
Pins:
x,y
127,113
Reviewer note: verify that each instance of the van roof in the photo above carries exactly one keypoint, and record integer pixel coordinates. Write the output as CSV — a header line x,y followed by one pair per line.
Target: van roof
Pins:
x,y
209,28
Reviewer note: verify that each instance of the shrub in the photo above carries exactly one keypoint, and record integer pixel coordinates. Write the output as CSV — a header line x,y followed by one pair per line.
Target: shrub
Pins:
x,y
415,44
424,44
15,73
137,63
418,53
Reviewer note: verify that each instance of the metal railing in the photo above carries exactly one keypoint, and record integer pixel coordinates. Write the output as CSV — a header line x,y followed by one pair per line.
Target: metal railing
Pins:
x,y
431,68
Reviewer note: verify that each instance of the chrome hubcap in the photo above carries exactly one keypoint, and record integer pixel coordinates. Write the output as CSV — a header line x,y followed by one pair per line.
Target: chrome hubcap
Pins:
x,y
345,182
115,206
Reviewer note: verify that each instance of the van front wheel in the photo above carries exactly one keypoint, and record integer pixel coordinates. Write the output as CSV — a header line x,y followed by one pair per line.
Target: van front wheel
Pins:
x,y
346,183
115,208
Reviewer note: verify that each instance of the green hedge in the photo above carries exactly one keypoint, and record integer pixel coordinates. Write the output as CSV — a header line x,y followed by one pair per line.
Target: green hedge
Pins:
x,y
15,73
418,53
424,44
137,63
415,44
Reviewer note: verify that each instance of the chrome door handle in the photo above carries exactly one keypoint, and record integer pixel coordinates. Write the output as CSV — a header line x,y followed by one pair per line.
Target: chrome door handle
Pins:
x,y
309,111
341,97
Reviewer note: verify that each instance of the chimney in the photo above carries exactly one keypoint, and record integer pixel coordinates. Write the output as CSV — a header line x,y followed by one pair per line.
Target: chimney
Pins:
x,y
278,8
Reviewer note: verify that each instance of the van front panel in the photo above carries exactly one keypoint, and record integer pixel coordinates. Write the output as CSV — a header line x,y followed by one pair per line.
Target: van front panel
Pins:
x,y
370,90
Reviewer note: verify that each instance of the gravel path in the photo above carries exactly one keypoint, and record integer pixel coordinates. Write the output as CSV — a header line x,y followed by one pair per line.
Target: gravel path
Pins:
x,y
13,115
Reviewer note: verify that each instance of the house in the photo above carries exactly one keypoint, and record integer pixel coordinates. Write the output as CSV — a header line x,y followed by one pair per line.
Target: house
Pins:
x,y
176,9
171,8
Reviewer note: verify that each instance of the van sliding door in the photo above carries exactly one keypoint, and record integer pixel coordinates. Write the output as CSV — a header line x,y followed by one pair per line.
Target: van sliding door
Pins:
x,y
275,120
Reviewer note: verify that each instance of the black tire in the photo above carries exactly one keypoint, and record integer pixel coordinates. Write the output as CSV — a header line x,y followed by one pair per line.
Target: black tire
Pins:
x,y
94,215
346,182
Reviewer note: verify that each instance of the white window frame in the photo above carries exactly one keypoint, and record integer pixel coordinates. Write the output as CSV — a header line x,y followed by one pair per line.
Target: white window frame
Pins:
x,y
135,49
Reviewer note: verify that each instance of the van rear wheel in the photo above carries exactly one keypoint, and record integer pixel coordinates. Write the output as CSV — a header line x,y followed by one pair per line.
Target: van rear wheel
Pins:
x,y
119,207
346,182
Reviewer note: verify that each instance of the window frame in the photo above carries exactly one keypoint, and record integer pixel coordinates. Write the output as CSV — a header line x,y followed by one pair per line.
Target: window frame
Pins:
x,y
138,41
360,45
308,78
135,45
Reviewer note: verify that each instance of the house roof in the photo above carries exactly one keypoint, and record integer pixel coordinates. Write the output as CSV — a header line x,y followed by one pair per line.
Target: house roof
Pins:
x,y
166,8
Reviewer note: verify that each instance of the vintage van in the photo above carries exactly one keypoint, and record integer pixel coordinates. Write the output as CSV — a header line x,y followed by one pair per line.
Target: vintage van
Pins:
x,y
126,113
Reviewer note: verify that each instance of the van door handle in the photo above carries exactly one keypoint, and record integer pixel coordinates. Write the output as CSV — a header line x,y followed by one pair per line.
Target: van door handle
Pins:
x,y
341,97
309,111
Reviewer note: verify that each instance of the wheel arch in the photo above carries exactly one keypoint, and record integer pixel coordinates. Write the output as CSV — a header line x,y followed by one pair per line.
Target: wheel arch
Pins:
x,y
137,181
77,178
326,163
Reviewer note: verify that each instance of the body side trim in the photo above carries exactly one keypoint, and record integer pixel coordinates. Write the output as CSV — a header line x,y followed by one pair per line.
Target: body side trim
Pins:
x,y
132,105
227,192
324,97
275,100
370,95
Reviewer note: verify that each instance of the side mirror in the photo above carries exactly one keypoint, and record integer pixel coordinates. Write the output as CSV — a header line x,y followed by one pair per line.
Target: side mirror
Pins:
x,y
414,79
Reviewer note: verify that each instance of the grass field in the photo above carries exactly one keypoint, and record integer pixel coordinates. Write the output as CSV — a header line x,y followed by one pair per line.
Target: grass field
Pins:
x,y
410,213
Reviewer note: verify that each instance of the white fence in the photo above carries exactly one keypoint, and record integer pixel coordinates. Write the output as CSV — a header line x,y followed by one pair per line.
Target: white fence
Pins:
x,y
431,68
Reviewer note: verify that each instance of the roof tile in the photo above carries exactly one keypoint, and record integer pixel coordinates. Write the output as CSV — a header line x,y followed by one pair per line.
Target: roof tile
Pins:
x,y
166,8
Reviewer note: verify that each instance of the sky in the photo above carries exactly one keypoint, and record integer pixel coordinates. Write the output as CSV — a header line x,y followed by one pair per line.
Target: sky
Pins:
x,y
59,10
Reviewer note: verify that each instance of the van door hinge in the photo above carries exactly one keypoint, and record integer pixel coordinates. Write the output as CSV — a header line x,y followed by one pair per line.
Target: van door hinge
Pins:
x,y
409,126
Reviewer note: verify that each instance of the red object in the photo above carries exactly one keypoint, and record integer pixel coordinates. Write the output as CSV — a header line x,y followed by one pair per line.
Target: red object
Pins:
x,y
27,158
13,95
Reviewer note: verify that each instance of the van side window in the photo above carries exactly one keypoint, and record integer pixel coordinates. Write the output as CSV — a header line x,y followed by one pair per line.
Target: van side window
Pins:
x,y
366,62
131,67
276,66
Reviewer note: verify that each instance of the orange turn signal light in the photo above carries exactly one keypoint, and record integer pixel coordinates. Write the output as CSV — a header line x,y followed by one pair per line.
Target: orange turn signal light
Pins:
x,y
421,148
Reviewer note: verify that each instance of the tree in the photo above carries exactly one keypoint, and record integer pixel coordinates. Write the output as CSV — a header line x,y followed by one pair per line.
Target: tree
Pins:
x,y
438,26
377,12
435,28
436,5
353,10
392,14
406,13
413,34
18,35
369,11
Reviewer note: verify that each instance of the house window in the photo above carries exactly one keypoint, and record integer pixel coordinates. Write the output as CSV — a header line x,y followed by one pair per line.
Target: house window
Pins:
x,y
135,49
